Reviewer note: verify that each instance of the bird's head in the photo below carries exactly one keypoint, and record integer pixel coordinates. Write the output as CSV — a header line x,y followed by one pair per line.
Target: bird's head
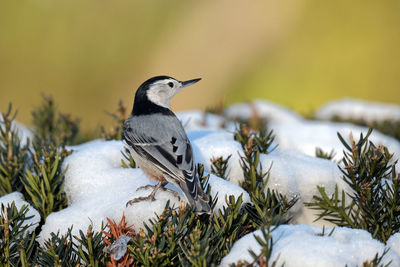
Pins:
x,y
160,90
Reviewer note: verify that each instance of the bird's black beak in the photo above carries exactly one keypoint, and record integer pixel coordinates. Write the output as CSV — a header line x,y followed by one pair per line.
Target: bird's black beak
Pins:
x,y
190,82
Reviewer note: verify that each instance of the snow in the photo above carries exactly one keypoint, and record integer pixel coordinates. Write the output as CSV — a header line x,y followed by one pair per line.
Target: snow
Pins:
x,y
293,132
394,242
308,135
355,109
303,245
98,187
295,174
198,120
263,109
16,197
208,144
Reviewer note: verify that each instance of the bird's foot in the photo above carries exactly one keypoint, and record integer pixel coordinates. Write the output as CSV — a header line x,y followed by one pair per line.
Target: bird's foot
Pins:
x,y
151,197
138,199
160,188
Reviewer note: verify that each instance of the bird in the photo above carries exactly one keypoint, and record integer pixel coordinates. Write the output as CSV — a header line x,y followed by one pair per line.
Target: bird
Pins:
x,y
159,145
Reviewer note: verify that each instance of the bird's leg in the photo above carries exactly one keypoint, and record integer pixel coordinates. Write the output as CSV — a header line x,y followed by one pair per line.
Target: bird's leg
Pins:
x,y
164,183
159,186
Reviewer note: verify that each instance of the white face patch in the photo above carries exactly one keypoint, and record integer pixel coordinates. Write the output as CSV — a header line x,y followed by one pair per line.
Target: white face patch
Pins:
x,y
161,92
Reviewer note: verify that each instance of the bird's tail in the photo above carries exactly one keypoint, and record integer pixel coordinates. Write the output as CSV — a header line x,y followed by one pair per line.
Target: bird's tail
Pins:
x,y
199,200
201,204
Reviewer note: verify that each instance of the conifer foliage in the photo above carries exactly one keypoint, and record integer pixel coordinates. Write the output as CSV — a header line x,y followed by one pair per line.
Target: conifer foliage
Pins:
x,y
51,127
374,204
13,155
18,246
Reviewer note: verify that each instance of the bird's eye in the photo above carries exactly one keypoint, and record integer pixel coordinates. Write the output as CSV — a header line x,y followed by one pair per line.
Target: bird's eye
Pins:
x,y
171,84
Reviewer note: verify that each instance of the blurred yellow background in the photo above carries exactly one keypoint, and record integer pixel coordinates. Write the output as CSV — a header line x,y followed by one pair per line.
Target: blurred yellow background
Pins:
x,y
90,54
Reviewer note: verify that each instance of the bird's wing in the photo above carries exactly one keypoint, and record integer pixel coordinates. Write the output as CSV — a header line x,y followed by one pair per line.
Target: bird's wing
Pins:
x,y
171,154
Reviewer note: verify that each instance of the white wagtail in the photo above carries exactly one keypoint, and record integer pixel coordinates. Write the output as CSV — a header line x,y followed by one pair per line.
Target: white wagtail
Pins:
x,y
159,144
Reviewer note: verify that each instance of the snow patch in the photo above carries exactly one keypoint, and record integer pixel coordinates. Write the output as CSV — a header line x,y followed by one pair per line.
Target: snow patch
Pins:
x,y
212,144
355,109
303,245
295,174
308,135
394,242
293,132
264,109
198,120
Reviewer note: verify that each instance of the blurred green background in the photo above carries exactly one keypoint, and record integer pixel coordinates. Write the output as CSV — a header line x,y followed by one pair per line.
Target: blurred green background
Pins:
x,y
91,54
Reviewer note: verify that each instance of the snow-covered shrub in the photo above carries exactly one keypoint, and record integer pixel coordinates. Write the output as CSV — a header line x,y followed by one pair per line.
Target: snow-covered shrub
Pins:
x,y
272,182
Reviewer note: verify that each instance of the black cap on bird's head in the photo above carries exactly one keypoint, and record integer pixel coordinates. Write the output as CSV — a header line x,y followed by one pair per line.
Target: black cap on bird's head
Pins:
x,y
154,95
145,85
